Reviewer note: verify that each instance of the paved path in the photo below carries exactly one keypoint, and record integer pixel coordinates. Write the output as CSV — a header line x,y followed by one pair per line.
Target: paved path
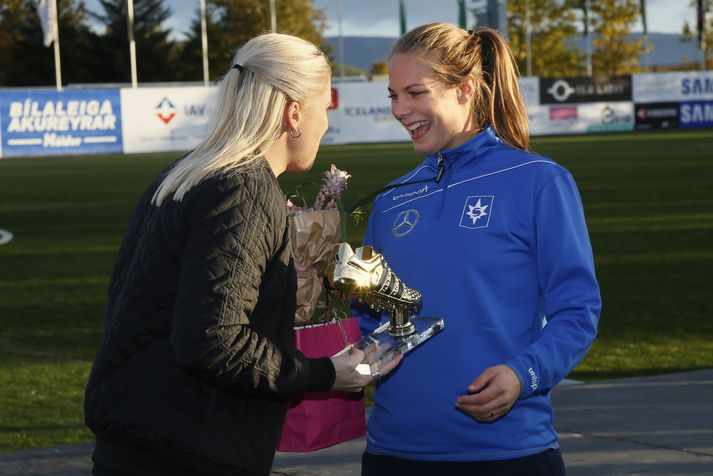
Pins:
x,y
641,426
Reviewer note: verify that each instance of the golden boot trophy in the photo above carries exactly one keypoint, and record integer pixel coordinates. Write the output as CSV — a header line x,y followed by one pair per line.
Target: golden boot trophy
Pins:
x,y
365,275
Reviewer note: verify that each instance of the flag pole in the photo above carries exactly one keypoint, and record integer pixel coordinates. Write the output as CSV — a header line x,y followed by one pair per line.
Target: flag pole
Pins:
x,y
273,16
204,42
132,42
55,32
402,17
341,40
704,41
461,14
586,38
528,37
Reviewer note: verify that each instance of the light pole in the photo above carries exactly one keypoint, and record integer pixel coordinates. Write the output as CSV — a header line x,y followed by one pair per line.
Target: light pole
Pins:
x,y
204,42
341,40
132,41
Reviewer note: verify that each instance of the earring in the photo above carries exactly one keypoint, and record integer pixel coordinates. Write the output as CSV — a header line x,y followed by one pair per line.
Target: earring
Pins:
x,y
295,133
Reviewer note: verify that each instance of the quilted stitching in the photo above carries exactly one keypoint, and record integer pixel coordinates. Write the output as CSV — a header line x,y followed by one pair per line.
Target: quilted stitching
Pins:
x,y
205,407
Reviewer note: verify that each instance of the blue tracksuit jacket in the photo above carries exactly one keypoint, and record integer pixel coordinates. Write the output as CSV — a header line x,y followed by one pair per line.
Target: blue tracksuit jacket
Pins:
x,y
499,248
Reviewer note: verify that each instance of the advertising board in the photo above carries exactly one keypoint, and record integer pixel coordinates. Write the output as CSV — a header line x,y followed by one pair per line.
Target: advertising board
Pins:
x,y
41,122
166,119
696,114
362,114
581,118
585,89
670,87
656,115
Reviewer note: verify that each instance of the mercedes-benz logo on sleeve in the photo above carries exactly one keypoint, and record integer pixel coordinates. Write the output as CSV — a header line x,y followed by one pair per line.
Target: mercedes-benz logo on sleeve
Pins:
x,y
405,222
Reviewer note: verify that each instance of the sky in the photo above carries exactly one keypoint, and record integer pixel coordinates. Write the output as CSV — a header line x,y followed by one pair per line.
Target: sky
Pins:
x,y
380,17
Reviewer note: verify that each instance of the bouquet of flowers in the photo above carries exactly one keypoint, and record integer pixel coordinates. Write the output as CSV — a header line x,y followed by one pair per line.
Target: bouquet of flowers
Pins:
x,y
314,231
318,420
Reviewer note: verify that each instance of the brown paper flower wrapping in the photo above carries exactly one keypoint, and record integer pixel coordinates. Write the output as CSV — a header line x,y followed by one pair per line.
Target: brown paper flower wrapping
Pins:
x,y
313,234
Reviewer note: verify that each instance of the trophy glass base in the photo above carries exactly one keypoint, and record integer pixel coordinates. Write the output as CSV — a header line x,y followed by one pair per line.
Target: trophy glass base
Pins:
x,y
381,346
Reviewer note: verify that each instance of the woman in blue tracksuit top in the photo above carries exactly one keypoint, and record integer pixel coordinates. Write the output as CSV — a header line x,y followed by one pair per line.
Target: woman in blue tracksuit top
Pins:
x,y
494,238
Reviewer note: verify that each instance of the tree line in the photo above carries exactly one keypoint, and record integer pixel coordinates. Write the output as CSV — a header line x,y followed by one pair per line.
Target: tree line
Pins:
x,y
94,44
610,24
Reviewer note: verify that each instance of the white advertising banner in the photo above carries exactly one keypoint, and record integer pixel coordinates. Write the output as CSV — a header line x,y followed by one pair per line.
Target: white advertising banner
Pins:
x,y
665,87
159,119
165,119
361,112
581,118
564,120
608,117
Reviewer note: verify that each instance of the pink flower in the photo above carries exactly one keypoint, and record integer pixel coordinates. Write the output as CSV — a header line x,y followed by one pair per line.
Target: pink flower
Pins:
x,y
334,183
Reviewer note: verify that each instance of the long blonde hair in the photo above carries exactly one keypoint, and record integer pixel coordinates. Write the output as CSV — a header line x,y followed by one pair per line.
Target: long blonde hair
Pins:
x,y
484,55
273,69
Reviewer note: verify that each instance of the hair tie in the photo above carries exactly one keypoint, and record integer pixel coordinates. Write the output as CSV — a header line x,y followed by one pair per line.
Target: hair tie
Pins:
x,y
474,36
239,67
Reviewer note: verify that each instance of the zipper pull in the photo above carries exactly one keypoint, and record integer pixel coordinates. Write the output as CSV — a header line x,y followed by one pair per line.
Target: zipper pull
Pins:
x,y
440,168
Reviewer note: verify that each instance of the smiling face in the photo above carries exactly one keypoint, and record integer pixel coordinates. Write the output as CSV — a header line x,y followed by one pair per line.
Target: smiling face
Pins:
x,y
437,116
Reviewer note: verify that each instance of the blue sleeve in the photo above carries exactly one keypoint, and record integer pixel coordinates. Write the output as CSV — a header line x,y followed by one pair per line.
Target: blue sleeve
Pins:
x,y
568,286
368,318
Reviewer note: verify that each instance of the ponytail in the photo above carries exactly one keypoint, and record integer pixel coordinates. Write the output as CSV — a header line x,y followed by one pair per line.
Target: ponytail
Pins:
x,y
506,109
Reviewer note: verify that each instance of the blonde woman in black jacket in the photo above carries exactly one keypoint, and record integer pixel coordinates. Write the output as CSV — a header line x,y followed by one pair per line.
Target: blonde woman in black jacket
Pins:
x,y
197,361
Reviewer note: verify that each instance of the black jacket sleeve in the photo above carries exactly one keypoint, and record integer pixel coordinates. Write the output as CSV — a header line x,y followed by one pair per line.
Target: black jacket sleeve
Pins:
x,y
231,237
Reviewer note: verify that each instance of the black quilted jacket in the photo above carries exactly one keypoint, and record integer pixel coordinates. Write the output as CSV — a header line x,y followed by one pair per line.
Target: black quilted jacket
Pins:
x,y
197,360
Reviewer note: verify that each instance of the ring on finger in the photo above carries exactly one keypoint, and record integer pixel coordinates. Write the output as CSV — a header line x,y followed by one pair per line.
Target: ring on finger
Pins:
x,y
376,376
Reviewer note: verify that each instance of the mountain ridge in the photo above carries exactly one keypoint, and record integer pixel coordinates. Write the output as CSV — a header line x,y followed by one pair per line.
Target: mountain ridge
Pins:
x,y
669,50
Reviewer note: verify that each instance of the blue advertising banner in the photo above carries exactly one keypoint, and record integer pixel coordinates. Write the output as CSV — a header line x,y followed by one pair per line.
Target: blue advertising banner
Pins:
x,y
60,123
696,114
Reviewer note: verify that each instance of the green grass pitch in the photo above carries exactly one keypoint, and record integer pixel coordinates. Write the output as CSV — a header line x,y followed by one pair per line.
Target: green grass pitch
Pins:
x,y
649,205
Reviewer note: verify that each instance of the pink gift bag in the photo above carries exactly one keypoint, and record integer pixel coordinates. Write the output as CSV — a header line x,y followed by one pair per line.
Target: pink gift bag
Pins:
x,y
319,420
